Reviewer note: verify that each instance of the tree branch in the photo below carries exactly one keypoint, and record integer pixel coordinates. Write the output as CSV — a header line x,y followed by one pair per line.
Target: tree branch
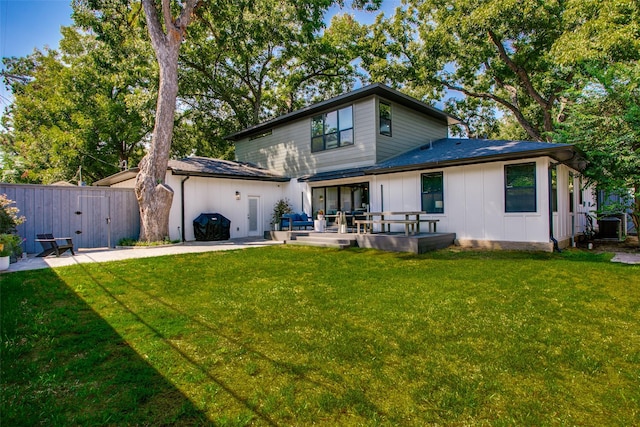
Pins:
x,y
519,71
528,127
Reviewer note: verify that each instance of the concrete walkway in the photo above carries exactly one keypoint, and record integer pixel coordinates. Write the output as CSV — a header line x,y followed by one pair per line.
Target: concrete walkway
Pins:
x,y
104,255
626,258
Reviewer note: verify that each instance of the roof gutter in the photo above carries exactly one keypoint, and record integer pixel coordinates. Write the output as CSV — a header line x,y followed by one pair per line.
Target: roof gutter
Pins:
x,y
223,176
468,161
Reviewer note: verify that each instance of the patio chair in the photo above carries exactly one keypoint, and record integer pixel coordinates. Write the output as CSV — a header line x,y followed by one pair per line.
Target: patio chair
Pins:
x,y
50,245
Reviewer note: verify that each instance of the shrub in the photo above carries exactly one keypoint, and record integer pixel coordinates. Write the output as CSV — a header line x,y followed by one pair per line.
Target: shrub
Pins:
x,y
281,207
9,218
10,245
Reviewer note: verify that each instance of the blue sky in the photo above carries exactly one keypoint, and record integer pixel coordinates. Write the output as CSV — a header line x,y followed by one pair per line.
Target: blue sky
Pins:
x,y
26,25
29,24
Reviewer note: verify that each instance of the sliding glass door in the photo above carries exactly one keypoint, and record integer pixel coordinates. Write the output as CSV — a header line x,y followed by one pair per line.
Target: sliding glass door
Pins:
x,y
345,198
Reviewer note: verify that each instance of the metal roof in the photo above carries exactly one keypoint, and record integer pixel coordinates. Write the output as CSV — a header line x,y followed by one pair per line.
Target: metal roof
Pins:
x,y
374,89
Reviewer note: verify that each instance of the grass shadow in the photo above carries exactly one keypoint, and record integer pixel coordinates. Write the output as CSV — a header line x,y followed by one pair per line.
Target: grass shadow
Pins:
x,y
62,364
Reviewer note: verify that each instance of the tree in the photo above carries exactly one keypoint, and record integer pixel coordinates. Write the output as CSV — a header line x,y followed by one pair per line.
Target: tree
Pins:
x,y
515,54
79,107
480,117
605,123
246,63
153,194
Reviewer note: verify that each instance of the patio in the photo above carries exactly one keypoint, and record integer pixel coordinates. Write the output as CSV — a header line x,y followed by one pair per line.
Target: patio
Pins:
x,y
386,241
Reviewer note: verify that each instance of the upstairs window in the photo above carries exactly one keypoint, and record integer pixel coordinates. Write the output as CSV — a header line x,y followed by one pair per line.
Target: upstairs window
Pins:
x,y
432,193
520,187
332,130
385,118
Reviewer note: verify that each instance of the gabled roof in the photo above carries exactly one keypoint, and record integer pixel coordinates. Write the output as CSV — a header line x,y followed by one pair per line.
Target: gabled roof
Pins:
x,y
204,167
374,89
455,152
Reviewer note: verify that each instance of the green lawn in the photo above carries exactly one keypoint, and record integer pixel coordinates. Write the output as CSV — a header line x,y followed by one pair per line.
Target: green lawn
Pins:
x,y
299,336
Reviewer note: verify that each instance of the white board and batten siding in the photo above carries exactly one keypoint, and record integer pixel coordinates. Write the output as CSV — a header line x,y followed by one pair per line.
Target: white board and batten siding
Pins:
x,y
218,195
409,130
474,202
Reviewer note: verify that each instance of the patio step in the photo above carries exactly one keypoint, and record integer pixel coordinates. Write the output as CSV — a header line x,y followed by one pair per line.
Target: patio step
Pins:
x,y
325,240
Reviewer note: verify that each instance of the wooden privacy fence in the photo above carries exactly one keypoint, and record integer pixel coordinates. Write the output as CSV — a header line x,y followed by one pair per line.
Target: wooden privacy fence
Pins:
x,y
95,217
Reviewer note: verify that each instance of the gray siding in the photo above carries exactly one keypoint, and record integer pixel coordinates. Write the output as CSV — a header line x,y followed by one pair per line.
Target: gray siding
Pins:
x,y
409,130
288,149
53,209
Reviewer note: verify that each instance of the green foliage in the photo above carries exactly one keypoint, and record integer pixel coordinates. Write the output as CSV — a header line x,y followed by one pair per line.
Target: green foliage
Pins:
x,y
604,123
9,218
479,117
91,104
86,106
281,207
248,62
130,241
11,245
518,56
355,337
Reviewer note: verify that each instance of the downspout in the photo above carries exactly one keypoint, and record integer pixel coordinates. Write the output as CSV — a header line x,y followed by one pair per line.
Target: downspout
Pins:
x,y
556,247
182,204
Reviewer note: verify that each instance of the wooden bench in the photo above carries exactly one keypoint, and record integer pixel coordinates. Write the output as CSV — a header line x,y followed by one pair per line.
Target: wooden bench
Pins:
x,y
431,222
50,245
409,224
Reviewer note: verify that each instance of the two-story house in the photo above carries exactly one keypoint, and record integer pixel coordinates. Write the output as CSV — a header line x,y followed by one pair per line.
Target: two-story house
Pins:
x,y
376,149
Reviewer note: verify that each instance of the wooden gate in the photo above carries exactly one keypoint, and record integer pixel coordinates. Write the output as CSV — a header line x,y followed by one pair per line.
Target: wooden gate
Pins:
x,y
94,217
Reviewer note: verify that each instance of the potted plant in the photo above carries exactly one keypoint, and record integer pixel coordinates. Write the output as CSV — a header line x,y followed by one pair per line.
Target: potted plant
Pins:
x,y
281,207
7,245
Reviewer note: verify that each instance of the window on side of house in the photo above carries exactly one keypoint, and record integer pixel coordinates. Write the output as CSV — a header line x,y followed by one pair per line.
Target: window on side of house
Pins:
x,y
432,192
385,118
580,191
332,130
554,189
571,196
520,187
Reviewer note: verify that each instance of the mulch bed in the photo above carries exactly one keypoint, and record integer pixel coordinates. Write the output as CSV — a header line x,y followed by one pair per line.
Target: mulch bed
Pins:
x,y
630,245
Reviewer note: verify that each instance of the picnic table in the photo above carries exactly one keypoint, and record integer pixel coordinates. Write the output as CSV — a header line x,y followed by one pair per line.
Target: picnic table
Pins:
x,y
411,221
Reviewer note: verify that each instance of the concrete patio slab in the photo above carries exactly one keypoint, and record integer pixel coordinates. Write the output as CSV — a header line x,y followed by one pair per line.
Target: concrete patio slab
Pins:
x,y
626,258
104,254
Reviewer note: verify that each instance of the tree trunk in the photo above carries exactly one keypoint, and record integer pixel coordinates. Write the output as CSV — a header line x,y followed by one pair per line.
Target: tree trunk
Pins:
x,y
153,194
